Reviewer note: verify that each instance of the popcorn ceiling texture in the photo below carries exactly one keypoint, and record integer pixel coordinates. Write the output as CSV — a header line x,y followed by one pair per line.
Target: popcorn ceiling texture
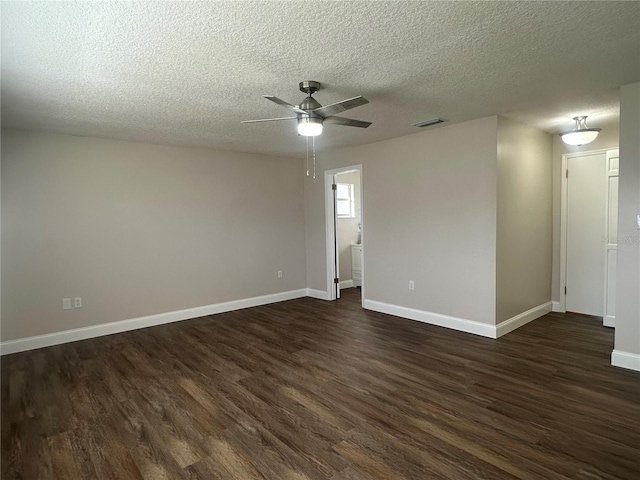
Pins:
x,y
186,73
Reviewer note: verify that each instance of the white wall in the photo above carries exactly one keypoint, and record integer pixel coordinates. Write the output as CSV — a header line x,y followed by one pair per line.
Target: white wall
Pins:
x,y
524,219
627,337
137,229
429,215
347,228
607,139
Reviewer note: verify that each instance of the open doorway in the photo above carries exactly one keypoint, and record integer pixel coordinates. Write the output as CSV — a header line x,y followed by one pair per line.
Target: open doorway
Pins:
x,y
344,228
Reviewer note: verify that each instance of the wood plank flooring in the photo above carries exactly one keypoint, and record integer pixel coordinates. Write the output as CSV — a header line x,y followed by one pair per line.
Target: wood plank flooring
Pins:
x,y
308,389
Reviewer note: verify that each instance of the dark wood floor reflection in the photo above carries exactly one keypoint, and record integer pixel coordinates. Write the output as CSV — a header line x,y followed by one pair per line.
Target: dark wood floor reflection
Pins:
x,y
308,389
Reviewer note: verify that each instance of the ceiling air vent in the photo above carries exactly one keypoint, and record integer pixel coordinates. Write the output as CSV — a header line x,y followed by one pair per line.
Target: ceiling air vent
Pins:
x,y
428,123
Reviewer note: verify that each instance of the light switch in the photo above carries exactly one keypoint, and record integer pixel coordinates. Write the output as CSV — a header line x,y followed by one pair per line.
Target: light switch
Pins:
x,y
66,304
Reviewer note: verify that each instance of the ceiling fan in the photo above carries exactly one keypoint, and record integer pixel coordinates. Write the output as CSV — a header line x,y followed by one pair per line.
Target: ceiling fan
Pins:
x,y
310,115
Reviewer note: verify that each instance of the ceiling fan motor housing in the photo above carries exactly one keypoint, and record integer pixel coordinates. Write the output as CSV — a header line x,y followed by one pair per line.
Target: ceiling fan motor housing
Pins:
x,y
309,104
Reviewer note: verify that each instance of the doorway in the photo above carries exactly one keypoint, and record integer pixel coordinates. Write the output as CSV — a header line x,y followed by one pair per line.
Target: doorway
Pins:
x,y
588,233
344,230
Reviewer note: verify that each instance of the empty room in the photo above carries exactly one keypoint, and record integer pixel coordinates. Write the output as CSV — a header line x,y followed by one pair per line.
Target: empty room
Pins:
x,y
330,240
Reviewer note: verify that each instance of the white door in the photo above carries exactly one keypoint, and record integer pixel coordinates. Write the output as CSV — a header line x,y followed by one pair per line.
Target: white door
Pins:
x,y
586,233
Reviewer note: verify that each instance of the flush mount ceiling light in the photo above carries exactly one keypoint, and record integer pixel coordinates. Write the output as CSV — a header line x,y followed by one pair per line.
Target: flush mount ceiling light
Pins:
x,y
581,134
310,126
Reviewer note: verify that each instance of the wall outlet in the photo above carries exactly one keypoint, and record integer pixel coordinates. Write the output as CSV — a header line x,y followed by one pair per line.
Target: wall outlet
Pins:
x,y
66,304
412,285
77,302
279,273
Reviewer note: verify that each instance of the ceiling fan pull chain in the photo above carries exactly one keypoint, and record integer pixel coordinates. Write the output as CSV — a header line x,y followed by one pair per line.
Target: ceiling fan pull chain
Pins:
x,y
313,143
307,156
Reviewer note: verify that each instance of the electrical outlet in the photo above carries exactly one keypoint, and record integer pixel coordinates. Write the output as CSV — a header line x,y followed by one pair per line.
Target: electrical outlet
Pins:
x,y
279,273
412,285
66,304
77,302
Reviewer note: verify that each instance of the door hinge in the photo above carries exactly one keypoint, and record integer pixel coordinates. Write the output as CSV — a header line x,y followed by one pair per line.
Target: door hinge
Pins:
x,y
336,280
566,173
334,186
565,290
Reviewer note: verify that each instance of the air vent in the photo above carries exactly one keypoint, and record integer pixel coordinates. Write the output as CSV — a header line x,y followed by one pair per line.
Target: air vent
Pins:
x,y
428,123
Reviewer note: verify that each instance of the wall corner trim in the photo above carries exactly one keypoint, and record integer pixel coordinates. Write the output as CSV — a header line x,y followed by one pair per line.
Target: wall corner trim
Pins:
x,y
319,294
346,284
66,336
627,360
455,323
523,318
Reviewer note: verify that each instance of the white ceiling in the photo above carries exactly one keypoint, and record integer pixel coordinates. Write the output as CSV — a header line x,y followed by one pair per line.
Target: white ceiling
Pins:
x,y
186,73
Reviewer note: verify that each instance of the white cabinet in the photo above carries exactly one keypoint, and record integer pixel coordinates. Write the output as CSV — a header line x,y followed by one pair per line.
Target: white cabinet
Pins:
x,y
356,265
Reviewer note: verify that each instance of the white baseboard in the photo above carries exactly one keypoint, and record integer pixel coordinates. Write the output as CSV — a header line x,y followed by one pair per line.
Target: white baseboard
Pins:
x,y
40,341
461,324
609,321
519,320
319,294
346,284
555,306
625,360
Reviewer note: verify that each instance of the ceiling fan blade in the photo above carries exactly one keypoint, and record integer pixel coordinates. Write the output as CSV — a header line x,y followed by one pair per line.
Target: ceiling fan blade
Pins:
x,y
268,119
348,122
341,106
284,104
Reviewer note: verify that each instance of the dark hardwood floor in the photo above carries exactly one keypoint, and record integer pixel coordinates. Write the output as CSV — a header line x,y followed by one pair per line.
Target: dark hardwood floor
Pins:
x,y
308,389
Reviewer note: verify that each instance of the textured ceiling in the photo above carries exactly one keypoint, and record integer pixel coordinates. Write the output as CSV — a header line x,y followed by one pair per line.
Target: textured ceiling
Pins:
x,y
186,73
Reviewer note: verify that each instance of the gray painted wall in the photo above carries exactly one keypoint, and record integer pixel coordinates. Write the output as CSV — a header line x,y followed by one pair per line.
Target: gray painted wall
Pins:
x,y
137,229
524,219
429,215
627,337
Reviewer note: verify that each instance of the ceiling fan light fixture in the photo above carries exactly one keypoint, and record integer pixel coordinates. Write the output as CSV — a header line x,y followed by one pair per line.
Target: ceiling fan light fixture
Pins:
x,y
310,126
581,134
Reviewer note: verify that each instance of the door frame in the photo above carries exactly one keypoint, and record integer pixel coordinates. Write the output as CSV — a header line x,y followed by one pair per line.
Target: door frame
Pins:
x,y
330,229
563,217
613,171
